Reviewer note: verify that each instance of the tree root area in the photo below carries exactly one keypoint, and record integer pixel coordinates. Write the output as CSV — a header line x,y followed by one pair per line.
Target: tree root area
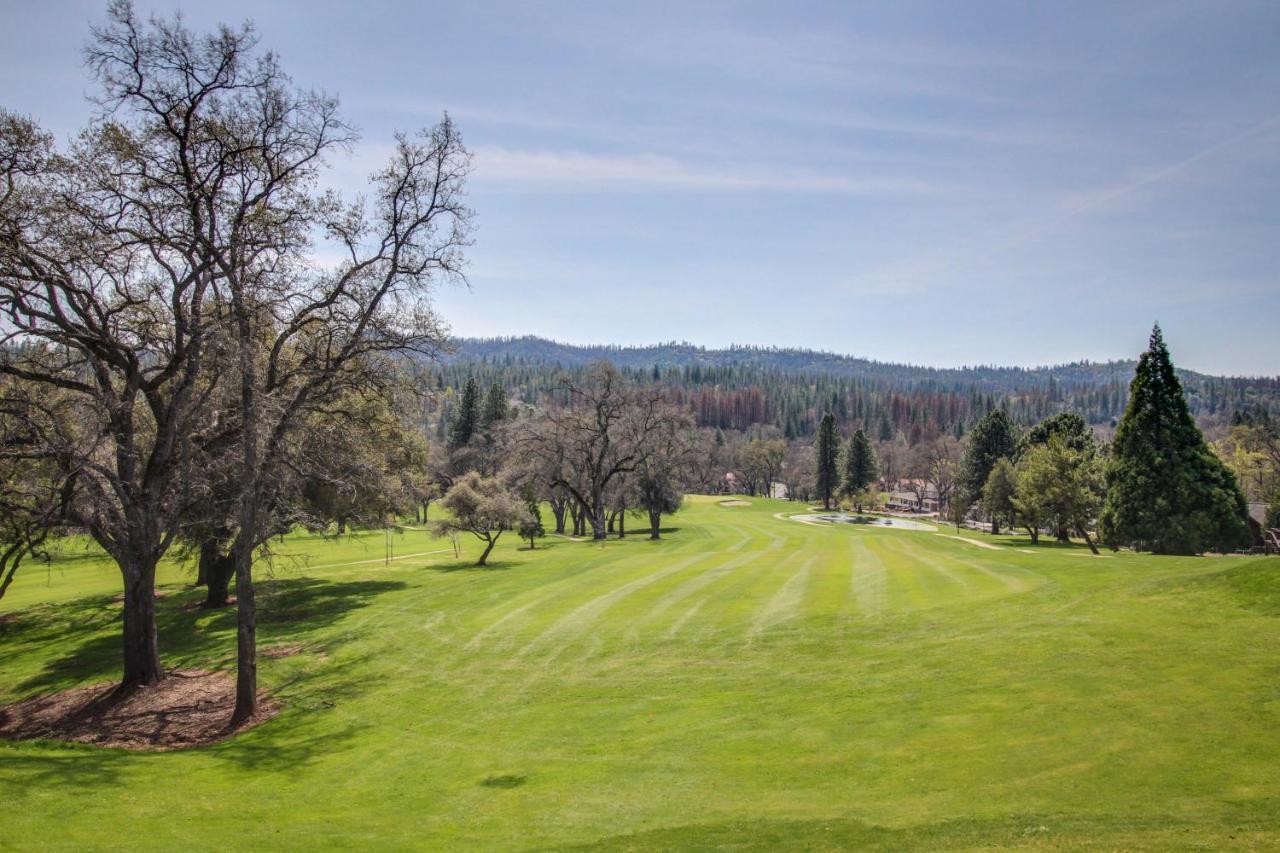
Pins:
x,y
189,708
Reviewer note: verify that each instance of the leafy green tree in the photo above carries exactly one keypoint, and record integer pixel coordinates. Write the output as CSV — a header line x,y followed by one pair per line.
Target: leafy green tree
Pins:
x,y
859,467
467,418
1059,485
998,494
992,438
828,446
1167,492
531,524
481,506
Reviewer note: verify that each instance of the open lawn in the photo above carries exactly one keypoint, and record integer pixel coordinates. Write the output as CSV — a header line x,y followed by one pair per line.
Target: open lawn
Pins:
x,y
750,682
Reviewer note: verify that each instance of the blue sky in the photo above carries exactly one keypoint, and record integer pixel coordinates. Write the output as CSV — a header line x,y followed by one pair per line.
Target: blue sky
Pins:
x,y
937,183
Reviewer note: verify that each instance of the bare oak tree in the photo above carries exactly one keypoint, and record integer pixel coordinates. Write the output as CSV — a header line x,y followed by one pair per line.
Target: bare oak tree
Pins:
x,y
191,207
603,433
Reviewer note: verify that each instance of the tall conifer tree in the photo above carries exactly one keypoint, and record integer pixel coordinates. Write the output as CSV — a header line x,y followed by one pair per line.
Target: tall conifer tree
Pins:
x,y
992,438
828,451
495,405
468,416
1167,492
859,464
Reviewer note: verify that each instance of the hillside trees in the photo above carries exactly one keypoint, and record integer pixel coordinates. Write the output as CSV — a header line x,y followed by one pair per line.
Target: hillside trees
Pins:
x,y
1167,492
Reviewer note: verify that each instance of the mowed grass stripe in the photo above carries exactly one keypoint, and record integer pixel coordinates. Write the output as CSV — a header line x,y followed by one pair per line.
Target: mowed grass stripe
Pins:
x,y
731,609
785,604
868,578
558,594
577,621
1010,577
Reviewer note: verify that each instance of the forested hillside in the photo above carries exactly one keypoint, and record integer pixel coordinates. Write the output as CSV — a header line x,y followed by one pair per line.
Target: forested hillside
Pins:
x,y
741,387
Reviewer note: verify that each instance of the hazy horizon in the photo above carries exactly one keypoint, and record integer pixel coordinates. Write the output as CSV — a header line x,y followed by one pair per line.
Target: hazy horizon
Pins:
x,y
862,356
920,183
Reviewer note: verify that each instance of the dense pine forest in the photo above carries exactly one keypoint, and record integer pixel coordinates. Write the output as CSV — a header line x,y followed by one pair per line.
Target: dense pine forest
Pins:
x,y
744,387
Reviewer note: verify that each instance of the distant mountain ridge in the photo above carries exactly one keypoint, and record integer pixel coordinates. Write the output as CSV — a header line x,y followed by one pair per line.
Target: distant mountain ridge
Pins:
x,y
742,387
542,351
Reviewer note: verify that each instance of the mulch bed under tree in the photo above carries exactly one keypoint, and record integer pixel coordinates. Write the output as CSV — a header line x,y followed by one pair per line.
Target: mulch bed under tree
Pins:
x,y
189,708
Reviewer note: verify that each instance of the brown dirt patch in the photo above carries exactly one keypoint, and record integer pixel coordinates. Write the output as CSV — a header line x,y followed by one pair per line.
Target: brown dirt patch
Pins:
x,y
189,708
735,503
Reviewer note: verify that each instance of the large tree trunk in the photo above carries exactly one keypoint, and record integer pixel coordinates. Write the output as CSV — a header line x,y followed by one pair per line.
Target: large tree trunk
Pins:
x,y
243,545
141,653
1084,534
487,548
995,525
622,523
246,638
558,509
218,569
655,519
1035,535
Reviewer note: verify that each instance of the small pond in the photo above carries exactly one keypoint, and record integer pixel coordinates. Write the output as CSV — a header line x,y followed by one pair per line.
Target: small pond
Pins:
x,y
867,520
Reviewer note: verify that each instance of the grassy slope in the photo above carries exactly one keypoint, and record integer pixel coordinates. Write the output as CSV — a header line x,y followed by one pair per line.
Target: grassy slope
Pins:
x,y
749,682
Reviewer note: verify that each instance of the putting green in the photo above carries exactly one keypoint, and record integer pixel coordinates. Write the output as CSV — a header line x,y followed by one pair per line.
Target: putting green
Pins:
x,y
748,682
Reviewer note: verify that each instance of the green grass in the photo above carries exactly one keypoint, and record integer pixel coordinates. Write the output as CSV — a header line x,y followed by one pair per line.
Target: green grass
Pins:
x,y
748,683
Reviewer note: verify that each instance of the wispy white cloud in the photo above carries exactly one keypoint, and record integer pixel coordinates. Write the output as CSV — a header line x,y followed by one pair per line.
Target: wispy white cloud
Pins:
x,y
576,171
931,267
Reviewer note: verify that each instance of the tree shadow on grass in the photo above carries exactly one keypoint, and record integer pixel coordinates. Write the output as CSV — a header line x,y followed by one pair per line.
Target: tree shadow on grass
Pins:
x,y
190,637
289,610
470,566
42,766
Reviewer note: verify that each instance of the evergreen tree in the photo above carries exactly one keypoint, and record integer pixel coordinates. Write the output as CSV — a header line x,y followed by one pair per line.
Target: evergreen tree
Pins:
x,y
828,449
859,465
992,438
886,428
495,406
468,416
1071,426
1167,492
998,494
